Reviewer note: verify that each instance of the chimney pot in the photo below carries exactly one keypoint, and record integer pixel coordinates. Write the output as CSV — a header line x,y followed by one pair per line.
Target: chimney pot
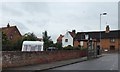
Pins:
x,y
8,25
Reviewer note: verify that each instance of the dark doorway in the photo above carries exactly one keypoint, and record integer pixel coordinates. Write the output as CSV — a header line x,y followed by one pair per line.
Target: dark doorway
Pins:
x,y
112,47
98,46
98,50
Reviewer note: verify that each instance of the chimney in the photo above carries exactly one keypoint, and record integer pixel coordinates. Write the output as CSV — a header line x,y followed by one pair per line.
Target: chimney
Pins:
x,y
74,31
60,34
8,25
107,29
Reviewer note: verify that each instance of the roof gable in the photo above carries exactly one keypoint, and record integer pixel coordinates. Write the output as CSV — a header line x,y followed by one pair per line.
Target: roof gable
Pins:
x,y
9,30
72,34
60,38
12,33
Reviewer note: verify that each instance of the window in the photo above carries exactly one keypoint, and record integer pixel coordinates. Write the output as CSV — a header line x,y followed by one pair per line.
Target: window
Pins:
x,y
112,47
66,40
33,48
112,40
86,36
81,43
39,47
29,48
25,47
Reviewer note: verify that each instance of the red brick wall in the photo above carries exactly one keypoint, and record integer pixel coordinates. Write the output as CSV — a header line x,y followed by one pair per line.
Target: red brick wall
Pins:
x,y
105,44
13,59
85,45
76,43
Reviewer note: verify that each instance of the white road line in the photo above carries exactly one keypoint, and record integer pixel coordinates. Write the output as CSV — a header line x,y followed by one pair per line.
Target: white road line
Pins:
x,y
113,66
111,69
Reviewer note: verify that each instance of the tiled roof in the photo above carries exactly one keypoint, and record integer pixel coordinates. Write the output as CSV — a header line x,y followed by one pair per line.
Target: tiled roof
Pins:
x,y
10,30
96,35
72,34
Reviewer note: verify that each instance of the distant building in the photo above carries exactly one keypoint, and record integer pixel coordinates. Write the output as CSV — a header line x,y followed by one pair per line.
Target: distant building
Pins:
x,y
59,39
12,33
109,38
66,39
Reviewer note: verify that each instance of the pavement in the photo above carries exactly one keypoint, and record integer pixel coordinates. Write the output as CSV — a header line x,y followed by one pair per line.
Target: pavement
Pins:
x,y
50,65
106,62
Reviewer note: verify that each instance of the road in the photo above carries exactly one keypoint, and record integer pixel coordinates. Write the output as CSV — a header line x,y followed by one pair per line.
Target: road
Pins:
x,y
107,62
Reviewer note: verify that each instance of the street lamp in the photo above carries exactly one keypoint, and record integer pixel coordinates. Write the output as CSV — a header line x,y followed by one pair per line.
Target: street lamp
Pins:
x,y
100,26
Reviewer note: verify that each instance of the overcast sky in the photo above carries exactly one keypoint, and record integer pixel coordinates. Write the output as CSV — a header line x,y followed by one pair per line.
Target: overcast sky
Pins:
x,y
58,17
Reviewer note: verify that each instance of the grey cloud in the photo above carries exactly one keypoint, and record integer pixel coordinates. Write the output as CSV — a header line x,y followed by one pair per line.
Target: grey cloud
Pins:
x,y
21,25
8,9
57,17
35,7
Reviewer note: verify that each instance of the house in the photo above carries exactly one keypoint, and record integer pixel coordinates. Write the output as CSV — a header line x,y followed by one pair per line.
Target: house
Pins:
x,y
59,39
66,39
12,33
109,38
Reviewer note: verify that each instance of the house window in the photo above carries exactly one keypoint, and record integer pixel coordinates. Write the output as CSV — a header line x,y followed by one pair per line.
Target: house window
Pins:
x,y
66,40
112,47
81,43
86,37
112,40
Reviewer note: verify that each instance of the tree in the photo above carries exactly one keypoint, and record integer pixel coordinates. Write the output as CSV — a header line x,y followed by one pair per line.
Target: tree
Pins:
x,y
5,42
4,39
8,46
18,45
29,36
59,46
47,41
26,37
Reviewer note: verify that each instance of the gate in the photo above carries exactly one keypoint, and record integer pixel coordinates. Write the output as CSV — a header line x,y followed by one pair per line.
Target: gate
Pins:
x,y
92,49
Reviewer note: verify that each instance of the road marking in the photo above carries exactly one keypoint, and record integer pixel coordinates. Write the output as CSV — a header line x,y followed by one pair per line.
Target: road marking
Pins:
x,y
111,69
113,66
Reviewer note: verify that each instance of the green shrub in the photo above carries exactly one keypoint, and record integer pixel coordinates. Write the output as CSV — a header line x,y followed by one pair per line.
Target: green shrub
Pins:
x,y
69,47
77,48
83,48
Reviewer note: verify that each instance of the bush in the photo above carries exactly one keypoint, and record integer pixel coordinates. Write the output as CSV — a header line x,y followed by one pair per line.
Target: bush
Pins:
x,y
77,48
83,48
69,47
59,46
18,45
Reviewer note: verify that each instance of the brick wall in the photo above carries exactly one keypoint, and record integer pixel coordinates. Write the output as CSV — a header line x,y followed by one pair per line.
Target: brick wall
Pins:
x,y
13,59
105,44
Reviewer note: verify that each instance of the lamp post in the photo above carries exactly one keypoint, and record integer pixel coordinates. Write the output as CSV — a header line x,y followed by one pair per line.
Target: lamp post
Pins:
x,y
100,26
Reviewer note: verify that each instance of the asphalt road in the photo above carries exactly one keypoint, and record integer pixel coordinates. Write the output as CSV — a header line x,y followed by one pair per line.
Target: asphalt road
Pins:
x,y
107,62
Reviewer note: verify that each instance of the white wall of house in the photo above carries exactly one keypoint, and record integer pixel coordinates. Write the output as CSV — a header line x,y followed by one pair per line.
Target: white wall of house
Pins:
x,y
69,38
